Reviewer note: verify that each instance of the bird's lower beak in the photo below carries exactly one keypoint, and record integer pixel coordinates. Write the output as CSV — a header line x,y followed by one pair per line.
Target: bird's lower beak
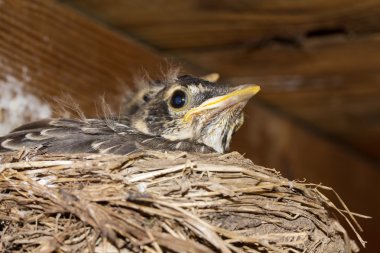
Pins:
x,y
241,94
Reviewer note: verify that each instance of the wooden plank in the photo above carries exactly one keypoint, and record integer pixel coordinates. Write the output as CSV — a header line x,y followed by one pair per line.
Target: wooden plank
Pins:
x,y
48,50
272,140
171,24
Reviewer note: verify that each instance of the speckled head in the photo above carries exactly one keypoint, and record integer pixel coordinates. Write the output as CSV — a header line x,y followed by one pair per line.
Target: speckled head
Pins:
x,y
190,108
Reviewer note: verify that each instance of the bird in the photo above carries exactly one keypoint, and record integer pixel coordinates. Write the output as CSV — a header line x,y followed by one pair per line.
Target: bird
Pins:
x,y
180,113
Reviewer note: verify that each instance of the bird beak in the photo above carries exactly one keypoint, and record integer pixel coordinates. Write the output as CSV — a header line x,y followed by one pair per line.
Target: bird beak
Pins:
x,y
213,77
241,94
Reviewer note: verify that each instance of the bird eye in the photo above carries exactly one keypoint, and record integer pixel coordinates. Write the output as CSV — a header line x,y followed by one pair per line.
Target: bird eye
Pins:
x,y
178,99
146,98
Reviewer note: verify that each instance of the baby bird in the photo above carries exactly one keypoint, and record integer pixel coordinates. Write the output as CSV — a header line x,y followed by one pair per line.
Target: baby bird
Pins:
x,y
184,113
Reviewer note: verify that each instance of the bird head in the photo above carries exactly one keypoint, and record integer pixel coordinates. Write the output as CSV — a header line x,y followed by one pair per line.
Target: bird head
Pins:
x,y
190,108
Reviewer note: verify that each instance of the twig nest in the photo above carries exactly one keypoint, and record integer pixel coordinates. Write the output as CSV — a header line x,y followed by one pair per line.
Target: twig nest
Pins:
x,y
161,202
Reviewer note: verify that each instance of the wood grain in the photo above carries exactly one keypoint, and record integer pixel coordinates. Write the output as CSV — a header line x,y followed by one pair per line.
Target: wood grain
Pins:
x,y
64,53
171,24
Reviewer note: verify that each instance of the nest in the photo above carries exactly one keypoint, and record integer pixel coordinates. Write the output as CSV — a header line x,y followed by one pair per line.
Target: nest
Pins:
x,y
162,202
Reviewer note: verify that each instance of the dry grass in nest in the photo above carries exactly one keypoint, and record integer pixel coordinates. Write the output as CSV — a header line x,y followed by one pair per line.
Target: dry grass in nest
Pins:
x,y
162,202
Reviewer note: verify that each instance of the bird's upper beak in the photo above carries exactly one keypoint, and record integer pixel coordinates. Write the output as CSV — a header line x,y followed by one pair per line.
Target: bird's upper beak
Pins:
x,y
241,94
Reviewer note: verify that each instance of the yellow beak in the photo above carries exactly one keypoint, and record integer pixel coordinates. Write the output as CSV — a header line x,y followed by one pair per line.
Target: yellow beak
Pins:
x,y
242,94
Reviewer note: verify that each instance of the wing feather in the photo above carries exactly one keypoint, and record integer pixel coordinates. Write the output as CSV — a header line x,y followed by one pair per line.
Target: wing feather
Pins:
x,y
89,136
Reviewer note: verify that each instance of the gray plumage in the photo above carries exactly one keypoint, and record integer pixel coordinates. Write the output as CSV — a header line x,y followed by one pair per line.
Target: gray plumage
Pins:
x,y
90,136
166,115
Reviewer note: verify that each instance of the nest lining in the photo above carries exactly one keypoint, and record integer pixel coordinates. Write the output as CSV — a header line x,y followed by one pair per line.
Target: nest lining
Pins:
x,y
162,202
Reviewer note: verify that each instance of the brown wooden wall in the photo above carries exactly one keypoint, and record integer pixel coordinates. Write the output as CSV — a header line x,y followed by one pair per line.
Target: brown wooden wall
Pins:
x,y
55,53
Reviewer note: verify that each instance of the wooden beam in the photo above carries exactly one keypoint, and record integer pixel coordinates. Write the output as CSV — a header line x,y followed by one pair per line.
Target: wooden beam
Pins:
x,y
171,24
48,50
